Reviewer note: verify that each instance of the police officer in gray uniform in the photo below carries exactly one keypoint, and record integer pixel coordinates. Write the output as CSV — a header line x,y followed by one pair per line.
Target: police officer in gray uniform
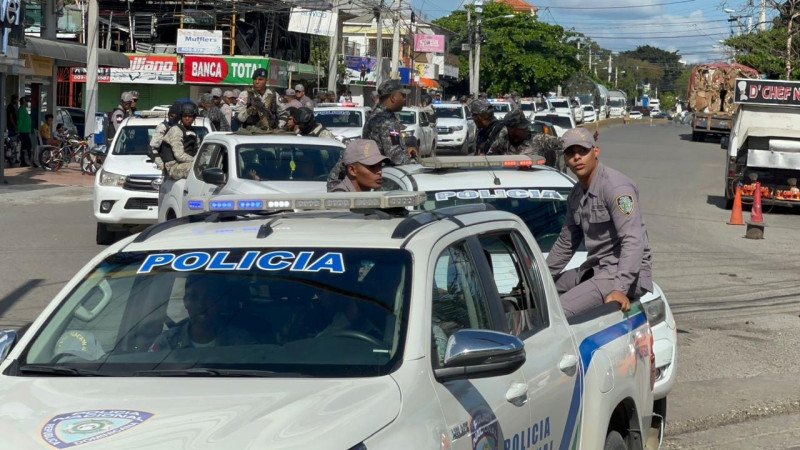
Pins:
x,y
603,210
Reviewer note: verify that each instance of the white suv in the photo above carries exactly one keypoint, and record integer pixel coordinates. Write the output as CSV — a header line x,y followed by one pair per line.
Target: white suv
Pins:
x,y
126,187
346,122
420,125
455,127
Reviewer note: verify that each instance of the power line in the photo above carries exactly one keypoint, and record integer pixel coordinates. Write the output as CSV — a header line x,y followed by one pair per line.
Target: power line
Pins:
x,y
586,8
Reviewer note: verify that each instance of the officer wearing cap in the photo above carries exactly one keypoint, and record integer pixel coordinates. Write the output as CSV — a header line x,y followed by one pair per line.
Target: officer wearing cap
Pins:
x,y
364,167
134,102
256,107
227,101
489,128
288,101
385,129
603,210
300,95
122,110
212,112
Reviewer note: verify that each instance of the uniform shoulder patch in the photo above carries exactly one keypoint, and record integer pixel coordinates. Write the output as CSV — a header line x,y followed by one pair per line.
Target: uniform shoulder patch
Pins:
x,y
626,204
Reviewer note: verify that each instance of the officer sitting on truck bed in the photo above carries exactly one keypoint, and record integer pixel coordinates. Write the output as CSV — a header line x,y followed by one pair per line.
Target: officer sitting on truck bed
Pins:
x,y
603,210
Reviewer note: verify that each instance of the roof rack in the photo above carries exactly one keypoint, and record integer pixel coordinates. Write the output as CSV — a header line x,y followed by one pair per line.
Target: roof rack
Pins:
x,y
480,162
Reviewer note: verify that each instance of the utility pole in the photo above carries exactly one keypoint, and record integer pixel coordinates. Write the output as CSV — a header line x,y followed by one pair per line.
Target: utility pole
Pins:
x,y
379,46
479,11
616,76
396,43
590,59
470,42
762,16
609,68
333,49
92,37
579,51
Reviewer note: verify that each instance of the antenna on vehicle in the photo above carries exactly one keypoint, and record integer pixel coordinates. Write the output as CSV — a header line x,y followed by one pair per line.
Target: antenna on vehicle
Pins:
x,y
496,179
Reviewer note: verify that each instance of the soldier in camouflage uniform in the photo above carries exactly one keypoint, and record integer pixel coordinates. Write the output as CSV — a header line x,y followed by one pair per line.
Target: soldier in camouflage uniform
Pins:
x,y
183,143
489,128
385,128
212,112
257,108
173,117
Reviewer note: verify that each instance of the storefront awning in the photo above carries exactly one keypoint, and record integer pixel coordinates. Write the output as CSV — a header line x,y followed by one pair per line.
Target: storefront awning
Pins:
x,y
69,54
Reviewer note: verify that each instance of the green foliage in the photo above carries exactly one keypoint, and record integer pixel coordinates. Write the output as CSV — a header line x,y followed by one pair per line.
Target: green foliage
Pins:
x,y
765,52
519,53
668,101
682,83
662,68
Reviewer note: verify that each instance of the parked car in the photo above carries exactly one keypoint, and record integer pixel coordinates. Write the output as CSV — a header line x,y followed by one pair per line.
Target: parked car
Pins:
x,y
455,128
72,118
635,114
561,121
501,108
659,115
126,188
644,111
589,114
420,125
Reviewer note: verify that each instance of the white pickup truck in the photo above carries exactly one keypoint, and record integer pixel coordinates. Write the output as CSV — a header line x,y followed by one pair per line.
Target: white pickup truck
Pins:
x,y
237,330
229,163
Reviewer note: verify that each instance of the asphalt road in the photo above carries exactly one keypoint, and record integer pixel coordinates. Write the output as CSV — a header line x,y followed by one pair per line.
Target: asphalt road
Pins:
x,y
736,300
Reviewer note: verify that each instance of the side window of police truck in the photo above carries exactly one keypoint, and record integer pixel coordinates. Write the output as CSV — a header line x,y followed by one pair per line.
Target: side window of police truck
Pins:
x,y
208,157
458,298
518,282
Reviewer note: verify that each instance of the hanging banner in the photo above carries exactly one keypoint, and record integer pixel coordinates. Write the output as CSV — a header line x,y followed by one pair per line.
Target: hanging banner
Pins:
x,y
144,69
199,42
429,43
425,70
222,69
322,23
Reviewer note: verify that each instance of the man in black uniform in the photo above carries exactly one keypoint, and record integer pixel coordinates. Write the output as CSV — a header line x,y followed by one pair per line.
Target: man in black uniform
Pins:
x,y
489,128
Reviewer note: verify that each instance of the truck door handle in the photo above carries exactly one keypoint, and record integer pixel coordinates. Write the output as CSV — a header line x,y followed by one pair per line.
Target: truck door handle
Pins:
x,y
517,394
568,364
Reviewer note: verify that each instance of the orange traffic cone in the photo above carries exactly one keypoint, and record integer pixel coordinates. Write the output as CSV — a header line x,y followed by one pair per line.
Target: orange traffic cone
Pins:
x,y
755,211
736,212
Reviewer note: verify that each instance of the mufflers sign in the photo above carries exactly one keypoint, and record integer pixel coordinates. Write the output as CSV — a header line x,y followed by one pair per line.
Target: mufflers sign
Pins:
x,y
767,92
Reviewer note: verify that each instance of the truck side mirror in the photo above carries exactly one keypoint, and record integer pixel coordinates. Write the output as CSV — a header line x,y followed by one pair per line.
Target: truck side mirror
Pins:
x,y
7,340
480,353
213,175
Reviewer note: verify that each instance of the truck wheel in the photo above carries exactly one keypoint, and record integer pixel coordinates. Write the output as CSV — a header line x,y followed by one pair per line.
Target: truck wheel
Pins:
x,y
695,136
104,236
614,441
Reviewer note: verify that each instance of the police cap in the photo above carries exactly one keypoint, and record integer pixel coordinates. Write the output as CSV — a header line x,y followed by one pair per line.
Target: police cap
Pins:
x,y
481,106
260,73
389,87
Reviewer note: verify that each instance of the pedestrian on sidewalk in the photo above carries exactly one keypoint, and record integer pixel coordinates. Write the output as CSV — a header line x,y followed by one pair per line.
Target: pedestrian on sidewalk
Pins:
x,y
25,129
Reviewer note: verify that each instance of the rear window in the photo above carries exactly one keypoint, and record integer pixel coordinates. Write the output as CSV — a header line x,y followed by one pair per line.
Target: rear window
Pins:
x,y
527,107
286,162
561,121
338,118
407,117
559,103
501,107
135,139
449,113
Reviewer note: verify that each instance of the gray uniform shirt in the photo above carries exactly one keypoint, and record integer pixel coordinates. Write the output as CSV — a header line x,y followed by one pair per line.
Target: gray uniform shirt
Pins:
x,y
608,217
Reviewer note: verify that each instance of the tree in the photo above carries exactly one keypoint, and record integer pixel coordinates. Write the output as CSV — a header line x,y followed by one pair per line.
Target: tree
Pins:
x,y
668,63
518,53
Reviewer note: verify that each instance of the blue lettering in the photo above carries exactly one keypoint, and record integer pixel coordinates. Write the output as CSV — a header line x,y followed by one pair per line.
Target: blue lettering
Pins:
x,y
332,262
152,261
506,444
535,433
301,262
516,442
265,262
218,262
248,260
190,261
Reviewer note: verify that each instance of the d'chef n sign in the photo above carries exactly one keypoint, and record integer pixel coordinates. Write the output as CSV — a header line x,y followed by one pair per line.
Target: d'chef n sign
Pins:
x,y
767,92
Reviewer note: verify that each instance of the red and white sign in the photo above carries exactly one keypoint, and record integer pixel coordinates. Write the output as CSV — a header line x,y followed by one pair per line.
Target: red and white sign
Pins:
x,y
429,43
144,69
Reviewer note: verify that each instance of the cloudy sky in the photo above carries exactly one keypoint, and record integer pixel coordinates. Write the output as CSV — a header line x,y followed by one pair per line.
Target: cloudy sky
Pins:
x,y
693,27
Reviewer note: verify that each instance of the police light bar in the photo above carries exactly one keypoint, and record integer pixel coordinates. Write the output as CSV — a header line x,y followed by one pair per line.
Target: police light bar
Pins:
x,y
319,202
480,162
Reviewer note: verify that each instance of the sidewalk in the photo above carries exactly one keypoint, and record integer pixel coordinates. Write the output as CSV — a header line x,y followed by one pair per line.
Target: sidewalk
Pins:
x,y
24,178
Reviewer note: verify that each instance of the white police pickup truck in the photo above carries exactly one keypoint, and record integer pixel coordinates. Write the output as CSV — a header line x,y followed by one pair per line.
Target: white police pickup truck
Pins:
x,y
229,163
386,331
126,187
538,195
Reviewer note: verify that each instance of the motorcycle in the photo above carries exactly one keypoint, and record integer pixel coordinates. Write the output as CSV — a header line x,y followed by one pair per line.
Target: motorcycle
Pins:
x,y
13,150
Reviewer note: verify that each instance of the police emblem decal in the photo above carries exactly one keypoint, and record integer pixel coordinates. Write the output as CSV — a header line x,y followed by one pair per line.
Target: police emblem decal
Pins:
x,y
81,427
625,204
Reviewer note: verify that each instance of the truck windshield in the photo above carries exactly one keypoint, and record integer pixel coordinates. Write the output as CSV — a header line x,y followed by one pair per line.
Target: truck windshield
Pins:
x,y
135,139
407,117
286,162
302,312
338,118
616,103
543,210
